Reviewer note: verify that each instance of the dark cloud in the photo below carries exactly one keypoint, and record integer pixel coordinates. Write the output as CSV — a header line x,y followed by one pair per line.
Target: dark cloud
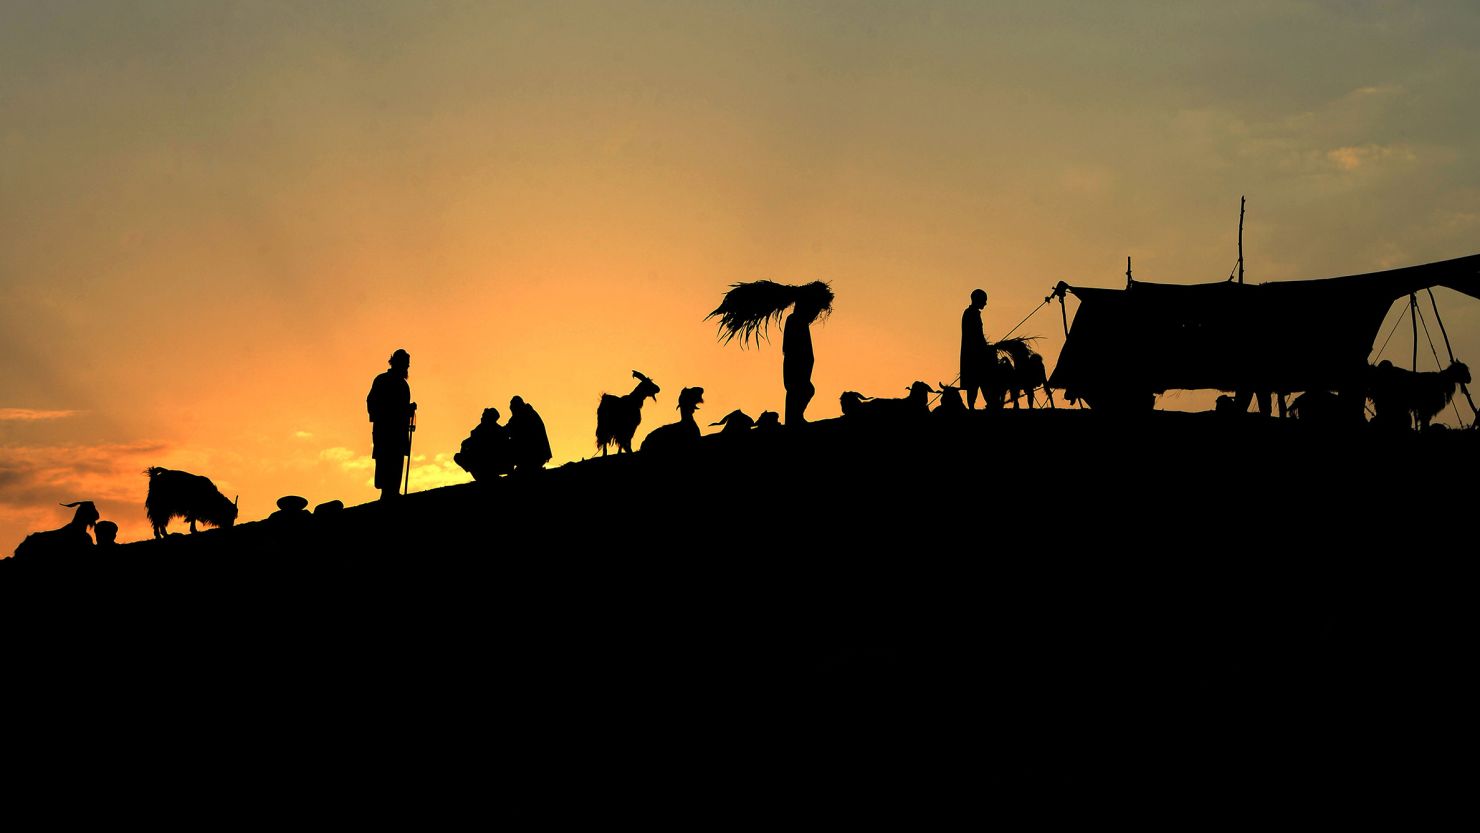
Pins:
x,y
31,475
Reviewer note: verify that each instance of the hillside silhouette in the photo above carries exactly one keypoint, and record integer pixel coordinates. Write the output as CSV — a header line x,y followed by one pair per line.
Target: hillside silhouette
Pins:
x,y
1038,602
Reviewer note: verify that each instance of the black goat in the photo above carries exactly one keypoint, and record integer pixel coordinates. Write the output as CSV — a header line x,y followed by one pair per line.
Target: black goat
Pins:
x,y
182,494
916,404
950,405
617,417
71,539
1403,397
735,422
1024,375
681,434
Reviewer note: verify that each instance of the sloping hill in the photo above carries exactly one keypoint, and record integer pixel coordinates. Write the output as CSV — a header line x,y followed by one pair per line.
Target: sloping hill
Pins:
x,y
1088,604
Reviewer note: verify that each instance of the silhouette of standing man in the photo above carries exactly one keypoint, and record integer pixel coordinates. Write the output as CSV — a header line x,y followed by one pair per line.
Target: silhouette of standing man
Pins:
x,y
390,409
975,352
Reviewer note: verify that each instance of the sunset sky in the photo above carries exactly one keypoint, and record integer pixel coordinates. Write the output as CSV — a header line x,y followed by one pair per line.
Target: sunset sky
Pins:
x,y
218,219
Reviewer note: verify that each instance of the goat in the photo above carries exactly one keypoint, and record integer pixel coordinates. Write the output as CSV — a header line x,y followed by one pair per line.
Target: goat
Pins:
x,y
1024,374
617,417
768,422
681,434
1323,407
191,496
71,539
916,404
1403,397
735,422
950,405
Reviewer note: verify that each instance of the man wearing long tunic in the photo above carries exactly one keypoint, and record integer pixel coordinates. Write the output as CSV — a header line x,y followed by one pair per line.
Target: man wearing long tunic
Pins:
x,y
390,409
977,357
529,444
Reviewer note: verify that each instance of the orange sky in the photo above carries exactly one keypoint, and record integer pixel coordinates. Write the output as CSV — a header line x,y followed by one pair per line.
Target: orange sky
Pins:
x,y
218,220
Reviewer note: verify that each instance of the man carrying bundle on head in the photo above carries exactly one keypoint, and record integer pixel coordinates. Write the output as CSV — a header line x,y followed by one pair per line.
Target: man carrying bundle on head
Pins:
x,y
749,308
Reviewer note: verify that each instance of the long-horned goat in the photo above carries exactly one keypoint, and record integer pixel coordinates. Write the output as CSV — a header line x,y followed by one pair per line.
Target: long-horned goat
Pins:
x,y
681,434
735,422
950,402
69,540
182,494
915,405
617,417
1398,394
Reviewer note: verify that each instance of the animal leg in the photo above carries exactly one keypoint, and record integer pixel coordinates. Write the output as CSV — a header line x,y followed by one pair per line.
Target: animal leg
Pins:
x,y
192,526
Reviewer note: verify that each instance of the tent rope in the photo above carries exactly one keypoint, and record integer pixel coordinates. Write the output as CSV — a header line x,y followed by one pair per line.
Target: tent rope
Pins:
x,y
957,377
1390,335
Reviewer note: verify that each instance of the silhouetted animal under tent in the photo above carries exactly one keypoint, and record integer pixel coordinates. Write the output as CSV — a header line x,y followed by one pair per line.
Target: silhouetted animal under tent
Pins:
x,y
1128,345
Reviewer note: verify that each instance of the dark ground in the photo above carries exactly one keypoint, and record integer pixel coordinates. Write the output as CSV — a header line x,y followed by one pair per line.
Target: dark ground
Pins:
x,y
1052,606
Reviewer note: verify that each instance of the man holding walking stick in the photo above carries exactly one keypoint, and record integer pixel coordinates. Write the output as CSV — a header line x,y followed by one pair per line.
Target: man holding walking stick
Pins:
x,y
392,419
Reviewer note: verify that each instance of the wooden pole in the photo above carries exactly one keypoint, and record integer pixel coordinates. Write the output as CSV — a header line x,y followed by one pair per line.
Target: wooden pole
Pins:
x,y
1240,239
1128,280
1413,314
1449,349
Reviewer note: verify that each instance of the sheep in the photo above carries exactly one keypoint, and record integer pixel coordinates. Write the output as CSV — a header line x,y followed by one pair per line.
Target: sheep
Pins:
x,y
1398,394
178,493
916,404
735,422
679,435
617,417
71,539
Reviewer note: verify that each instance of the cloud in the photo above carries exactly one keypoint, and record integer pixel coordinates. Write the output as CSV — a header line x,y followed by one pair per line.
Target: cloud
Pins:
x,y
303,435
441,471
347,459
34,479
32,474
1358,156
33,414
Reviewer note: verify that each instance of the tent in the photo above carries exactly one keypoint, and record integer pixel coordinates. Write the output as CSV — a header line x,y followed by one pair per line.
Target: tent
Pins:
x,y
1128,344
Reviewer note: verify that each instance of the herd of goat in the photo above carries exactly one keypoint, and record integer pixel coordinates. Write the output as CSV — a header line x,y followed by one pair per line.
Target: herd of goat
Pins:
x,y
1400,398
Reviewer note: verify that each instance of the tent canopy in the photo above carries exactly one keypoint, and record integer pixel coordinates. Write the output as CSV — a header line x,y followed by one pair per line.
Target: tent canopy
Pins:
x,y
1285,336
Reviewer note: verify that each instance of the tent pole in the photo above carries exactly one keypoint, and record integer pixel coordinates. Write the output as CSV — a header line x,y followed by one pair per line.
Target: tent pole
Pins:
x,y
1413,314
1449,349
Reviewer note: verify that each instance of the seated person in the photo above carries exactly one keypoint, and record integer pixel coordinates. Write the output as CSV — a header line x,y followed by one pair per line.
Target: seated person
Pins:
x,y
485,454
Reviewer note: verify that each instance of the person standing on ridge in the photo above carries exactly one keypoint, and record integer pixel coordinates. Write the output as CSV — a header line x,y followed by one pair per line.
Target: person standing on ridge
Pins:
x,y
748,310
977,356
391,410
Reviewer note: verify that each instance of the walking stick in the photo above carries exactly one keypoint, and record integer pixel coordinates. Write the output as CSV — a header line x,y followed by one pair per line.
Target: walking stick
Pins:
x,y
410,433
